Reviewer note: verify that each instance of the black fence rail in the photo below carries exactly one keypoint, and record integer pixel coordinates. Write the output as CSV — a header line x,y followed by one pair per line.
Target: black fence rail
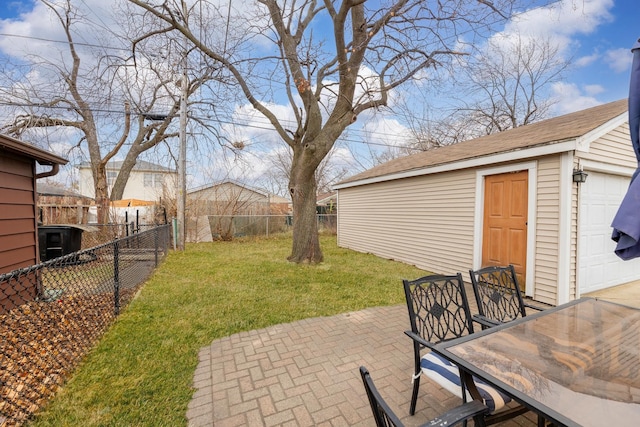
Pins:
x,y
52,314
98,234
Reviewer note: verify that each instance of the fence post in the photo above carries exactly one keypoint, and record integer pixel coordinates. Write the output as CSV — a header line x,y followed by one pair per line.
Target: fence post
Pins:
x,y
116,277
155,240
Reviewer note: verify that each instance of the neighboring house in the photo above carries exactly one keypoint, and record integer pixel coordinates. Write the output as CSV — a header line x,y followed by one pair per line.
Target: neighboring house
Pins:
x,y
211,207
58,205
147,181
327,203
326,208
506,198
18,212
279,205
234,198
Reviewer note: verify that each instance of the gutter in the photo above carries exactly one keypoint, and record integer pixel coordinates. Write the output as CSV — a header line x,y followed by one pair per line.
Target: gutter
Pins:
x,y
490,159
55,168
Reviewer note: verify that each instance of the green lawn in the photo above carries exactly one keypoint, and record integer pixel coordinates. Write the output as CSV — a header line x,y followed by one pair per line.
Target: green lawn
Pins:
x,y
141,372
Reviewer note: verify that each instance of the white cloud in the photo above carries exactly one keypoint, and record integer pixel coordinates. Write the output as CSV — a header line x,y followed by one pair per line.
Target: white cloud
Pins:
x,y
569,98
38,31
562,20
594,89
585,61
560,23
342,157
619,60
383,130
563,24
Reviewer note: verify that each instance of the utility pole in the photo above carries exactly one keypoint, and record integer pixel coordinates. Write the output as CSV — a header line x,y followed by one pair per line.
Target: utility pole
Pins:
x,y
182,159
182,155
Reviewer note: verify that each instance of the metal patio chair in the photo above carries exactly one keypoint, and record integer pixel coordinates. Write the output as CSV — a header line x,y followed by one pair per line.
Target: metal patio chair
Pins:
x,y
385,417
498,296
439,311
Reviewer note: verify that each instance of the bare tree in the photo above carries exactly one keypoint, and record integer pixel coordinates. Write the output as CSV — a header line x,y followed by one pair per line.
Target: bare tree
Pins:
x,y
79,94
506,84
331,61
327,173
511,81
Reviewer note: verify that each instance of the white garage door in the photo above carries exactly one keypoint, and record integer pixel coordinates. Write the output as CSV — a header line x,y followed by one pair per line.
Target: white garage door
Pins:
x,y
600,268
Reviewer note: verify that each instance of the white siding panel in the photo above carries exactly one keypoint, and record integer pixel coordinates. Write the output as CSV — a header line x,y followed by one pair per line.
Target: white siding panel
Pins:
x,y
547,230
425,221
614,147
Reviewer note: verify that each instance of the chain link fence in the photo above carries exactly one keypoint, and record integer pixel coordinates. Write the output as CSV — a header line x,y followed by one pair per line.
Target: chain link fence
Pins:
x,y
98,234
228,227
53,313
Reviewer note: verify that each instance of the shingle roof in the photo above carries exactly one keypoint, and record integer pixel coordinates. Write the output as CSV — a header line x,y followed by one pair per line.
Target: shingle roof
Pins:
x,y
224,182
557,129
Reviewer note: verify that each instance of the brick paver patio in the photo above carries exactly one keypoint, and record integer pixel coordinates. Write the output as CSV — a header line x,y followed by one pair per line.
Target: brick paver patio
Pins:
x,y
306,374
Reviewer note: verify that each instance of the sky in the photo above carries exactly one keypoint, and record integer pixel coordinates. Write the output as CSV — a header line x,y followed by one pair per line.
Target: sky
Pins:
x,y
596,34
601,47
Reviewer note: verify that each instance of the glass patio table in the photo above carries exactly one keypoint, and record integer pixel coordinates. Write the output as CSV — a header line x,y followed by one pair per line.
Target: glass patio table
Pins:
x,y
577,364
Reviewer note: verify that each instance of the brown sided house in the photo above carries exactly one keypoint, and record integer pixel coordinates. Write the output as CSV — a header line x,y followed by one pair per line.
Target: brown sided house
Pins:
x,y
18,212
513,197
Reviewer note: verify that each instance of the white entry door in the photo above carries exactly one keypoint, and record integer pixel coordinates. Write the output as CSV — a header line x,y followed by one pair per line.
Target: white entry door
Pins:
x,y
600,268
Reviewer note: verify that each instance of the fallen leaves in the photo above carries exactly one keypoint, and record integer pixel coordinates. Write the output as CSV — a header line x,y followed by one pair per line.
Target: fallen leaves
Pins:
x,y
42,342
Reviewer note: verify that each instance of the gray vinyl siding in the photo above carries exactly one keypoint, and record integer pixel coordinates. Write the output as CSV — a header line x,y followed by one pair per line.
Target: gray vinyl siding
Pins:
x,y
547,230
614,147
426,221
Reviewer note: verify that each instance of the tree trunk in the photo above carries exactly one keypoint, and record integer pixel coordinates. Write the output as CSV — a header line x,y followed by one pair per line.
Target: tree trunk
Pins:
x,y
306,244
101,195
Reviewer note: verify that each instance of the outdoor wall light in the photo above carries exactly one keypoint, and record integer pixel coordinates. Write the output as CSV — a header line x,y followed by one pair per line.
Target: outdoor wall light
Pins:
x,y
579,176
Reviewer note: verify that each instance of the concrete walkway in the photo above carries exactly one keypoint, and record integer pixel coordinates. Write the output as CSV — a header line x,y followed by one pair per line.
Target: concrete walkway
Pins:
x,y
628,294
306,374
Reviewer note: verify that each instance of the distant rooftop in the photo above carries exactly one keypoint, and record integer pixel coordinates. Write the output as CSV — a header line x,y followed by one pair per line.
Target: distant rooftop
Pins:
x,y
141,165
273,197
44,189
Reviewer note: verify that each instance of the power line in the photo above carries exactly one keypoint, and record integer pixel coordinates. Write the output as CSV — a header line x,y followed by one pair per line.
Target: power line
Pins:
x,y
66,42
271,81
260,126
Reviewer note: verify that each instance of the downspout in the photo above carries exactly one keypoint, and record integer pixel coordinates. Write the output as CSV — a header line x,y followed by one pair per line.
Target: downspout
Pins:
x,y
54,171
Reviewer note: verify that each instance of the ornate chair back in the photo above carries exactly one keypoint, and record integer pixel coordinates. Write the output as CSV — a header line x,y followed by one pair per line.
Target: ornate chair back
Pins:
x,y
438,307
497,294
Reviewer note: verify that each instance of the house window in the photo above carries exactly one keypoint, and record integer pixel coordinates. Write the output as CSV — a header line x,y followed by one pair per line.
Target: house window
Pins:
x,y
111,178
153,180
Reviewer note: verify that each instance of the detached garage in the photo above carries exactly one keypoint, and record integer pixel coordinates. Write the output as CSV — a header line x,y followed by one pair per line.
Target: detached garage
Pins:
x,y
541,197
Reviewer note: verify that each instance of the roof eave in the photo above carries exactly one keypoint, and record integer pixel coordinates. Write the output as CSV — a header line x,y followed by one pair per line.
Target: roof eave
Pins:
x,y
505,156
41,156
584,142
